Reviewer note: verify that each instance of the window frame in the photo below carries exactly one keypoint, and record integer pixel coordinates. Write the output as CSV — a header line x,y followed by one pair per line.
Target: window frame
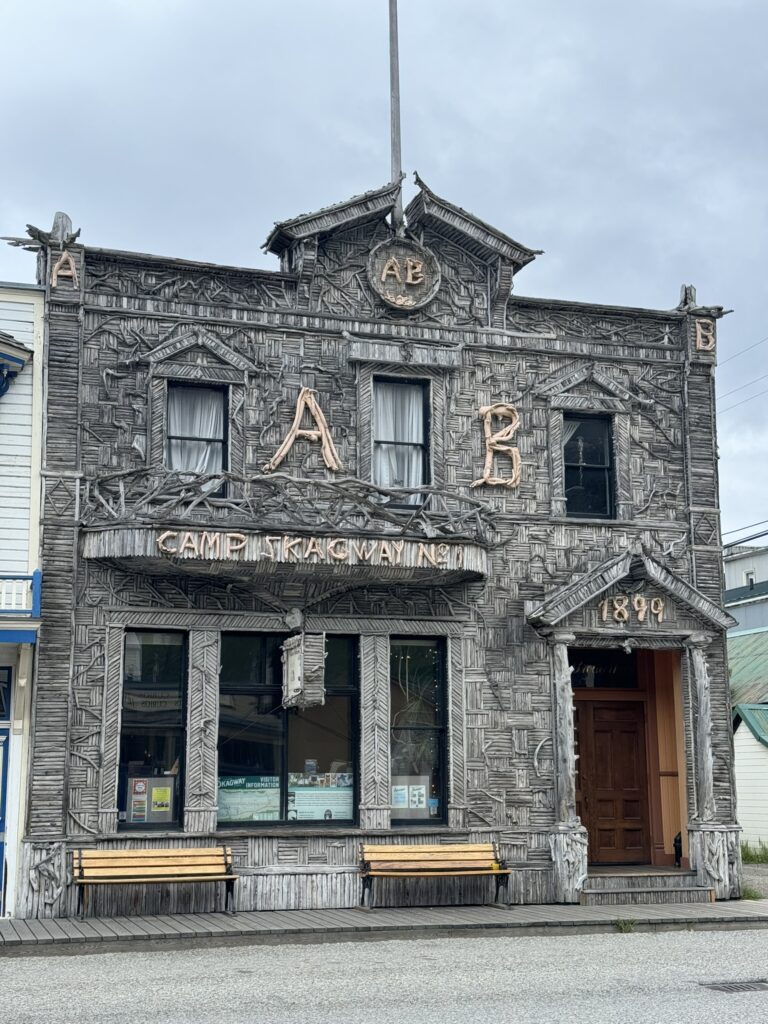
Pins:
x,y
350,692
425,385
609,468
169,826
443,729
224,391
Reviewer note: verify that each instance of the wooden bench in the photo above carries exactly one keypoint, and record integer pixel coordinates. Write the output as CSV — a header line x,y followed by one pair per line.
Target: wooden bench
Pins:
x,y
420,861
131,867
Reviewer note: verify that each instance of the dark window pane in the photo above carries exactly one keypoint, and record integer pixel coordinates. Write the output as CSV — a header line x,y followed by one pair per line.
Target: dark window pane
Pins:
x,y
416,687
587,492
598,669
340,663
416,770
587,441
5,694
251,739
417,703
152,729
250,661
153,686
320,762
277,764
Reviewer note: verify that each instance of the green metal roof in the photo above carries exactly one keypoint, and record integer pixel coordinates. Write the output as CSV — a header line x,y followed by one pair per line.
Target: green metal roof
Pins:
x,y
748,664
756,718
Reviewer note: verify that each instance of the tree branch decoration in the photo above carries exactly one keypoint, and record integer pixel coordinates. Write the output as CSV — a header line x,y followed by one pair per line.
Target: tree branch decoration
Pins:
x,y
308,401
500,441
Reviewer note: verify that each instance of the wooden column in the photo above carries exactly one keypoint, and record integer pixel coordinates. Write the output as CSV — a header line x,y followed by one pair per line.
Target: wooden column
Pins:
x,y
457,773
706,808
568,838
374,732
201,782
110,729
565,744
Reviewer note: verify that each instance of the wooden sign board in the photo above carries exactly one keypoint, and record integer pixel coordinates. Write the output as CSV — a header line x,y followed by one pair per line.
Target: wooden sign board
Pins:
x,y
304,670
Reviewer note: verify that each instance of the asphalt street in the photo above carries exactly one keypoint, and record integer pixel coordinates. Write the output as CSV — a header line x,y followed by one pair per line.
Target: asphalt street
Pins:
x,y
637,978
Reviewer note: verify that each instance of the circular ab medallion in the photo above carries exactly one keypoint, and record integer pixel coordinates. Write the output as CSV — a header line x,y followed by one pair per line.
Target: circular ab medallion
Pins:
x,y
404,274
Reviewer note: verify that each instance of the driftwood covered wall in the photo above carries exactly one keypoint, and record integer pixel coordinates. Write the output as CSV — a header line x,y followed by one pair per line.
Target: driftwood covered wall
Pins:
x,y
127,323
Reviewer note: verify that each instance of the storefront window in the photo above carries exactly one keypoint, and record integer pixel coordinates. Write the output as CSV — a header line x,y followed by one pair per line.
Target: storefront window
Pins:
x,y
278,764
152,736
417,700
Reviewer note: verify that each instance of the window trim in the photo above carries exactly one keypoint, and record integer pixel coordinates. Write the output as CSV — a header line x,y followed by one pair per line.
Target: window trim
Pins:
x,y
609,468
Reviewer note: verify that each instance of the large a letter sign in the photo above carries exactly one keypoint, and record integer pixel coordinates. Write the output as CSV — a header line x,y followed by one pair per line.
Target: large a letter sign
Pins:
x,y
319,432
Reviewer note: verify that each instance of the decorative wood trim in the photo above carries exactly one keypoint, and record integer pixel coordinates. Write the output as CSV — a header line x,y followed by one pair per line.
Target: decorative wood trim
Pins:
x,y
111,721
456,734
375,768
200,776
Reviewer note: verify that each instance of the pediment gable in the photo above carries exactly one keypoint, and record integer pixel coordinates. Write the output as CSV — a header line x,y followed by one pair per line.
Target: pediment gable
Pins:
x,y
201,343
584,384
623,573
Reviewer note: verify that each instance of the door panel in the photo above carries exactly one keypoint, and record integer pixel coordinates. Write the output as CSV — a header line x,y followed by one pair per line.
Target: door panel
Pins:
x,y
612,797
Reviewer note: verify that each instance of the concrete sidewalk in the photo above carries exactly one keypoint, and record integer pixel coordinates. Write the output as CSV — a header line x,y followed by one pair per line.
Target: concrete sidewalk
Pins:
x,y
110,933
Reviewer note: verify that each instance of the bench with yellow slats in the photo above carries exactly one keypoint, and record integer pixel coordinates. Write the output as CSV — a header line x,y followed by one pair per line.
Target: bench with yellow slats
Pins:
x,y
132,867
442,860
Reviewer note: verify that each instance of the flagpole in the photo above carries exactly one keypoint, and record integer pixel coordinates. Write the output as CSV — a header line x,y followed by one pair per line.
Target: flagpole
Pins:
x,y
394,89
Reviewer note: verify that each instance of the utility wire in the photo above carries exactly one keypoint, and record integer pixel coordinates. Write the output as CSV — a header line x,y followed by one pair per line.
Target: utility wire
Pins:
x,y
722,362
742,386
749,526
735,404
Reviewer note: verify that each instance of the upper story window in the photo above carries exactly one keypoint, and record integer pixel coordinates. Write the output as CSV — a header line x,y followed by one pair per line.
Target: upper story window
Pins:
x,y
750,578
401,436
589,469
197,438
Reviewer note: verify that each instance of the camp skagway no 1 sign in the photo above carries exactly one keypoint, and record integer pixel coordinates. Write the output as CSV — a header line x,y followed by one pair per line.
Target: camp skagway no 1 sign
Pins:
x,y
403,273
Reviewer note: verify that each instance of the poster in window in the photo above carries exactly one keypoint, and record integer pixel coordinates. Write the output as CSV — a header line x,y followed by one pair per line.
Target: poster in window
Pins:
x,y
249,798
326,796
411,799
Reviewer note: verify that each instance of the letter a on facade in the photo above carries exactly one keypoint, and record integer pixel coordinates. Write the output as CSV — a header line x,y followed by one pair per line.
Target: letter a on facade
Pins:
x,y
321,433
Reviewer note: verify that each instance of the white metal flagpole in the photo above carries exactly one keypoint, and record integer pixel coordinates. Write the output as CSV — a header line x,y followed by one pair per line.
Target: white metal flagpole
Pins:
x,y
394,88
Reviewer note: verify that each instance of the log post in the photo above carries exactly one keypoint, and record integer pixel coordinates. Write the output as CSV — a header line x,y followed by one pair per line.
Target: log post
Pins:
x,y
568,839
706,808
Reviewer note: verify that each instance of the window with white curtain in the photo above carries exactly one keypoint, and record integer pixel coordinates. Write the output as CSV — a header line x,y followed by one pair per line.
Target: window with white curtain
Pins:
x,y
400,436
196,440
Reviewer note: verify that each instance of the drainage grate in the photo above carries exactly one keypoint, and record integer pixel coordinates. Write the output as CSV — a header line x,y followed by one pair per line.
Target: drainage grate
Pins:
x,y
760,985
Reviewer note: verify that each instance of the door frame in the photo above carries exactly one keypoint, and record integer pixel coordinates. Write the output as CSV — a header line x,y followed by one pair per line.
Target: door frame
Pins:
x,y
645,694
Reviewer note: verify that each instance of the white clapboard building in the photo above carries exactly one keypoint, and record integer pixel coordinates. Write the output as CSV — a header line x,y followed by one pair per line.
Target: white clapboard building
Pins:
x,y
21,339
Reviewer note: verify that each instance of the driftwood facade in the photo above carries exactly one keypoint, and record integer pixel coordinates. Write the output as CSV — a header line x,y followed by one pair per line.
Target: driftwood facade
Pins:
x,y
295,534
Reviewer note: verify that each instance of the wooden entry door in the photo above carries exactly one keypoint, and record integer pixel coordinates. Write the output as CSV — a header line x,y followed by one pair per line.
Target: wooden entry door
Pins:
x,y
612,780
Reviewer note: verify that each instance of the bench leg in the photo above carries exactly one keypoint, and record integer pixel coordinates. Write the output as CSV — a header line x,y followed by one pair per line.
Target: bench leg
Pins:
x,y
367,887
502,880
80,901
229,897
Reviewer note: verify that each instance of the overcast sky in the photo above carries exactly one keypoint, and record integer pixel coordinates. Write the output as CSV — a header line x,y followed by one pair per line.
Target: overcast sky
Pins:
x,y
627,140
